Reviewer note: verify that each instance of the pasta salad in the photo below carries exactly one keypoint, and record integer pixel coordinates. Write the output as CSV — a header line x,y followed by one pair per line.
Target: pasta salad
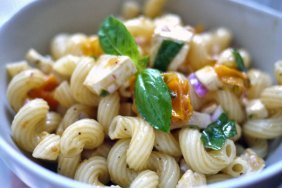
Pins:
x,y
148,101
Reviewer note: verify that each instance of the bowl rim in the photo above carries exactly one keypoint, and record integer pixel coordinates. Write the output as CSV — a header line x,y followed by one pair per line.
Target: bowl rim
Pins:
x,y
51,176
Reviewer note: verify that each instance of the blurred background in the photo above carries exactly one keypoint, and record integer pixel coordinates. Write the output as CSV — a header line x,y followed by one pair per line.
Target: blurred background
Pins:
x,y
10,7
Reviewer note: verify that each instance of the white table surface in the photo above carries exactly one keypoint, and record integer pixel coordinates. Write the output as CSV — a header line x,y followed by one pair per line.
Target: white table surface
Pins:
x,y
7,9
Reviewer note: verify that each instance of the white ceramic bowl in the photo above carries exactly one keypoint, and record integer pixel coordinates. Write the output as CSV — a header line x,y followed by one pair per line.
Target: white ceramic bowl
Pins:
x,y
258,30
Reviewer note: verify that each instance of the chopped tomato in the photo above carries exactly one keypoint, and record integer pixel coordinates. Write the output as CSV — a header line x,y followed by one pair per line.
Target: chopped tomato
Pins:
x,y
45,91
46,95
91,47
181,104
50,83
232,77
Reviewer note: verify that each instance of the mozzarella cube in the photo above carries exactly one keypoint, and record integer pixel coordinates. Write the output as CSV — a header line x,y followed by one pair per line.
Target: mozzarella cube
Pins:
x,y
208,77
172,33
109,73
255,109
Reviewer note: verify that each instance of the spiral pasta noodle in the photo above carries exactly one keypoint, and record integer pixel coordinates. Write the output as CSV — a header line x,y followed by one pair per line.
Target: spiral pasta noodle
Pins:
x,y
231,104
17,67
80,92
198,158
259,81
52,121
236,168
28,123
63,95
67,165
108,108
21,84
167,144
93,171
146,178
75,113
118,170
271,97
84,133
48,148
166,167
142,139
264,128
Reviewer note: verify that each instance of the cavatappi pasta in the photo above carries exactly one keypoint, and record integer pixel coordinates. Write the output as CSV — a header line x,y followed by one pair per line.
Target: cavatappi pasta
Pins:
x,y
79,106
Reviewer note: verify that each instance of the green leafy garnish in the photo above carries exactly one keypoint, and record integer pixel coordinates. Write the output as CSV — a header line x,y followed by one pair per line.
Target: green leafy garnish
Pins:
x,y
152,96
104,93
239,60
215,135
167,51
153,100
115,39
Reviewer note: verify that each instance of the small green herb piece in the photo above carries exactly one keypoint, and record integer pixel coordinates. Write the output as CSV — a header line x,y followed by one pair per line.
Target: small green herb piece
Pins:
x,y
239,60
104,93
215,135
167,51
115,39
153,100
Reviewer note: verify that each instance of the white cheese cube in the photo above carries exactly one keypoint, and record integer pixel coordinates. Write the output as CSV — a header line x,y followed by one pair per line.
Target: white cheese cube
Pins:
x,y
255,109
208,77
109,73
172,33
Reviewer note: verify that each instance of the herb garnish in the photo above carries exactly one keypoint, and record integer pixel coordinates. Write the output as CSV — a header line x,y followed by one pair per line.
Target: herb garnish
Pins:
x,y
239,60
152,96
215,135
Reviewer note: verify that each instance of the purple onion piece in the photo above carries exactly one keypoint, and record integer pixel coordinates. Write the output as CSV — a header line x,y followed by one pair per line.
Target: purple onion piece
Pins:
x,y
199,88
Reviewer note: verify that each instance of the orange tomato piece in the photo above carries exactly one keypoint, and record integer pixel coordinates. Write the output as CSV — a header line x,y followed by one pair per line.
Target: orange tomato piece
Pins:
x,y
45,95
232,77
50,83
91,47
46,91
181,104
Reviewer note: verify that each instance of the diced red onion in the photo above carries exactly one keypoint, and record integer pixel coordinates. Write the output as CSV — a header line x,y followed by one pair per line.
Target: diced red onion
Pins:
x,y
199,88
217,113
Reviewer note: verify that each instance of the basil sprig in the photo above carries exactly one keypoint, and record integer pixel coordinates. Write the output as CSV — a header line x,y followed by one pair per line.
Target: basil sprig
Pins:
x,y
152,96
115,39
239,60
215,135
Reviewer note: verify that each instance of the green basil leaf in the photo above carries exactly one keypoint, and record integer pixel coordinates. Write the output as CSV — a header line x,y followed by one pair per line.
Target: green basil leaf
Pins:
x,y
153,100
166,53
215,135
115,39
229,129
239,60
104,93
